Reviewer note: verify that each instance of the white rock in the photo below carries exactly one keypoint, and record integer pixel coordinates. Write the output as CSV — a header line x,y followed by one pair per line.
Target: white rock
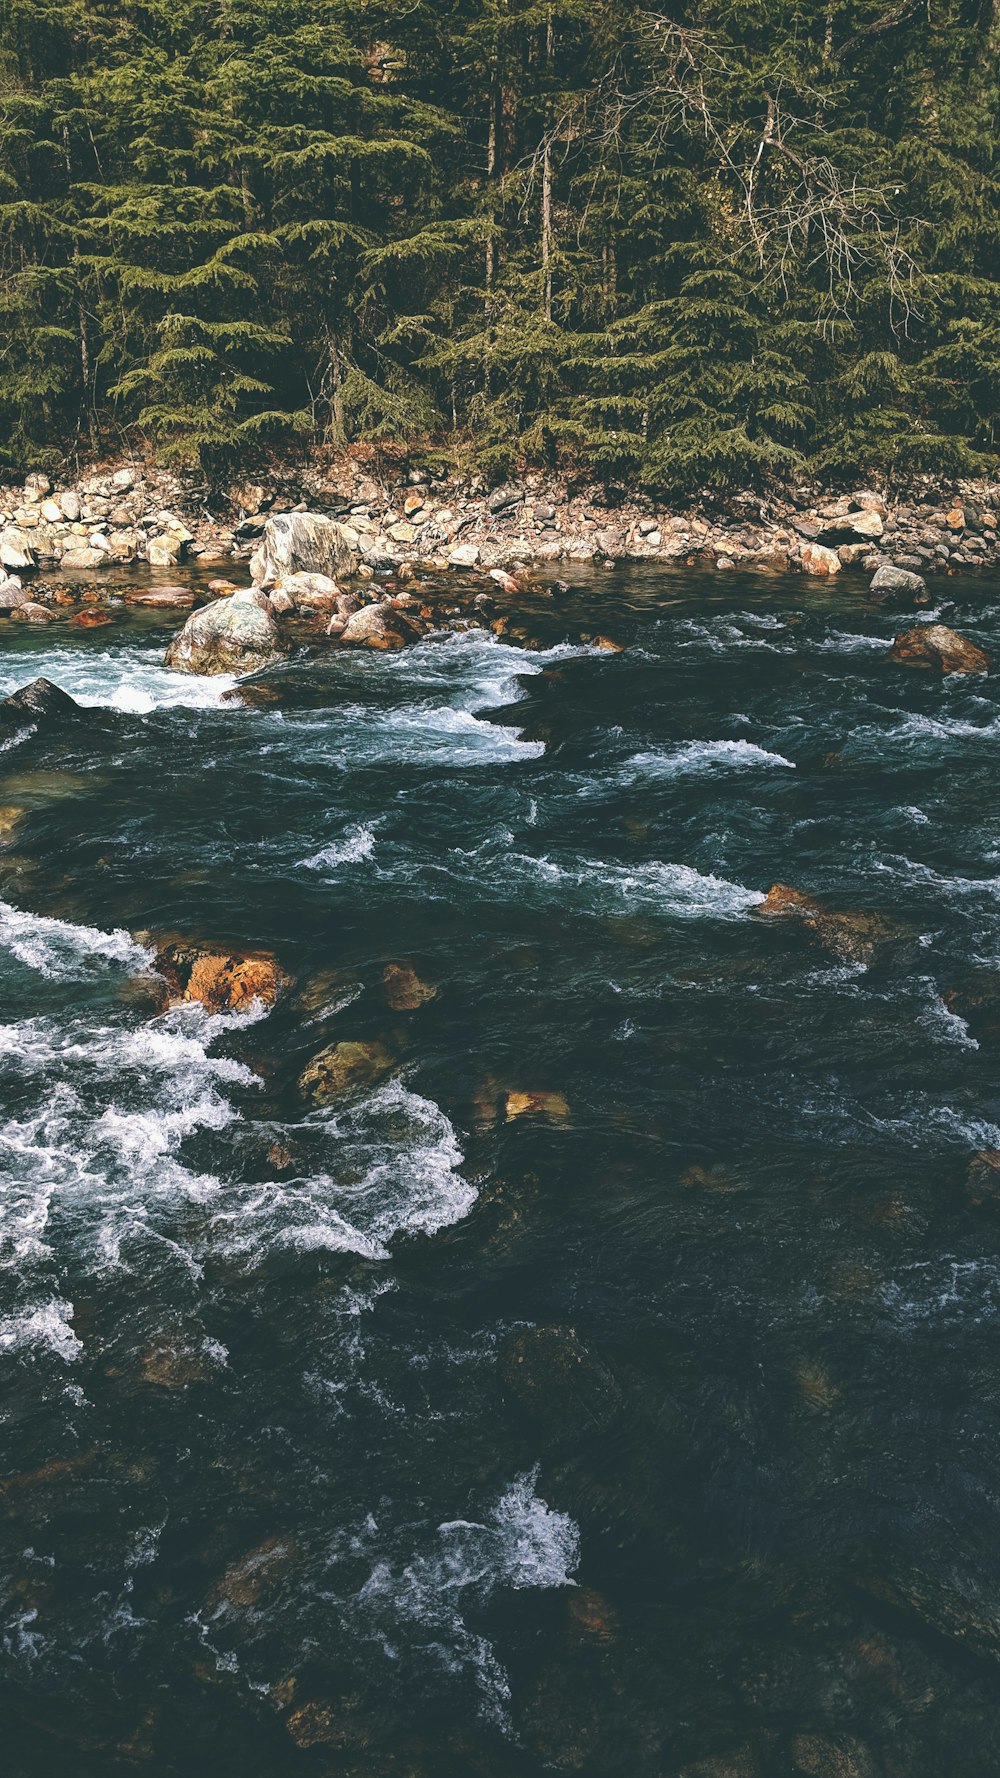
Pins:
x,y
164,551
15,549
464,555
305,542
817,559
70,503
52,512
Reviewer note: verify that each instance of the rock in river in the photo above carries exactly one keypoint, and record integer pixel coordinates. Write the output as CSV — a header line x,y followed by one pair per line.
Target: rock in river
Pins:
x,y
889,582
222,980
344,1068
852,935
301,542
234,635
40,701
941,649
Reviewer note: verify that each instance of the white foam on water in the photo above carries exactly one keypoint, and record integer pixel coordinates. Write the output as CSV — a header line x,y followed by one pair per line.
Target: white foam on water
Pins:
x,y
125,678
924,876
393,1170
47,1326
62,950
943,1025
447,683
355,847
90,1164
675,889
945,1290
521,1543
696,757
846,642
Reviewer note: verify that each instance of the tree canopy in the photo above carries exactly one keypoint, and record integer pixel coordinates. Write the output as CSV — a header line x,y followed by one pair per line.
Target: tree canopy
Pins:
x,y
692,247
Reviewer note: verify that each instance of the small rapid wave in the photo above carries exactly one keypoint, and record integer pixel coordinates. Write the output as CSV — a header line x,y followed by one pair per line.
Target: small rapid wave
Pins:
x,y
64,951
697,757
125,678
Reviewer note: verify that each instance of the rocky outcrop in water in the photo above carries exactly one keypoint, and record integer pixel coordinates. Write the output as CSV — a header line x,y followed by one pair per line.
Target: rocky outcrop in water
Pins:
x,y
853,935
39,701
897,583
220,980
936,647
343,1069
234,635
302,542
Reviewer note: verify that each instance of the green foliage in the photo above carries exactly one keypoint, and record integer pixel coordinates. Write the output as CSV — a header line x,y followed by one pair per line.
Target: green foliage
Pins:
x,y
696,249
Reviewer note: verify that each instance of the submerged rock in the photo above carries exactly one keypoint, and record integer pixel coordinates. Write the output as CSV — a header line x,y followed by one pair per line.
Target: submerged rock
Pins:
x,y
561,1386
404,989
550,1105
223,981
343,1069
936,647
28,612
234,635
301,542
982,1179
852,935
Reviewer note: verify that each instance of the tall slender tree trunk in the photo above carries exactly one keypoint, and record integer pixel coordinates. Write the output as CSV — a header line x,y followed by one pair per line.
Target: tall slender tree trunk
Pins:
x,y
86,375
547,179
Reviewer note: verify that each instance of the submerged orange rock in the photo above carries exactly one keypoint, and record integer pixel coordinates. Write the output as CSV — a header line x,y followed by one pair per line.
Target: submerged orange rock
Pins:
x,y
935,646
551,1105
852,935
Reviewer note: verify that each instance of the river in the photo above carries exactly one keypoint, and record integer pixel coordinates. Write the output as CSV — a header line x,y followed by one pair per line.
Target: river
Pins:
x,y
615,1387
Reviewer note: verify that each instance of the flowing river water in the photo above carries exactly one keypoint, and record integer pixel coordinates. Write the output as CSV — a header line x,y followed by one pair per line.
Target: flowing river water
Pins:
x,y
648,1427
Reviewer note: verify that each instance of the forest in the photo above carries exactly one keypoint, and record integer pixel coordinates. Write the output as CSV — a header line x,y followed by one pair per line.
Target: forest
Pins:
x,y
706,246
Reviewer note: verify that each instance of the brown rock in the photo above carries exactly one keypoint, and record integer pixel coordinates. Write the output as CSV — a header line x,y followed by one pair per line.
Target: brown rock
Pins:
x,y
853,935
818,1757
982,1179
935,646
551,1105
91,619
164,598
257,1573
404,989
606,643
817,559
223,981
955,519
10,815
343,1069
30,613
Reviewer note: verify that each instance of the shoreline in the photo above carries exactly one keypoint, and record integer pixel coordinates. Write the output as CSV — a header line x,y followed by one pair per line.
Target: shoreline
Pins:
x,y
128,512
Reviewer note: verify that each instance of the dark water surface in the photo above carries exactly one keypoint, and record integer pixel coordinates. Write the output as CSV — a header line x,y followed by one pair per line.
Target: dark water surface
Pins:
x,y
654,1431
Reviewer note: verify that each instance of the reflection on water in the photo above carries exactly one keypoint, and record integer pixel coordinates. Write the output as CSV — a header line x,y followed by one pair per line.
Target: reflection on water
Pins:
x,y
612,1385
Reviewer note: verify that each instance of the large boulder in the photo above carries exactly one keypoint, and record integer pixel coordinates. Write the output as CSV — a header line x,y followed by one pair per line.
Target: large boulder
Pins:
x,y
373,626
344,1069
889,582
942,650
221,980
234,635
12,592
39,701
817,559
301,543
15,548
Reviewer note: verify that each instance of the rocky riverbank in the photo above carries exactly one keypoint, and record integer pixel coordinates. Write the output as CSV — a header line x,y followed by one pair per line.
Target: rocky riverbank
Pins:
x,y
129,512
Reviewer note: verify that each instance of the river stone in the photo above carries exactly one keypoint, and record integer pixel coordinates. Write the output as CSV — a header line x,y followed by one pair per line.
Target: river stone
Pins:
x,y
16,549
28,612
817,559
70,503
164,551
343,1069
301,542
889,580
39,700
937,647
309,592
234,635
371,625
11,593
222,980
